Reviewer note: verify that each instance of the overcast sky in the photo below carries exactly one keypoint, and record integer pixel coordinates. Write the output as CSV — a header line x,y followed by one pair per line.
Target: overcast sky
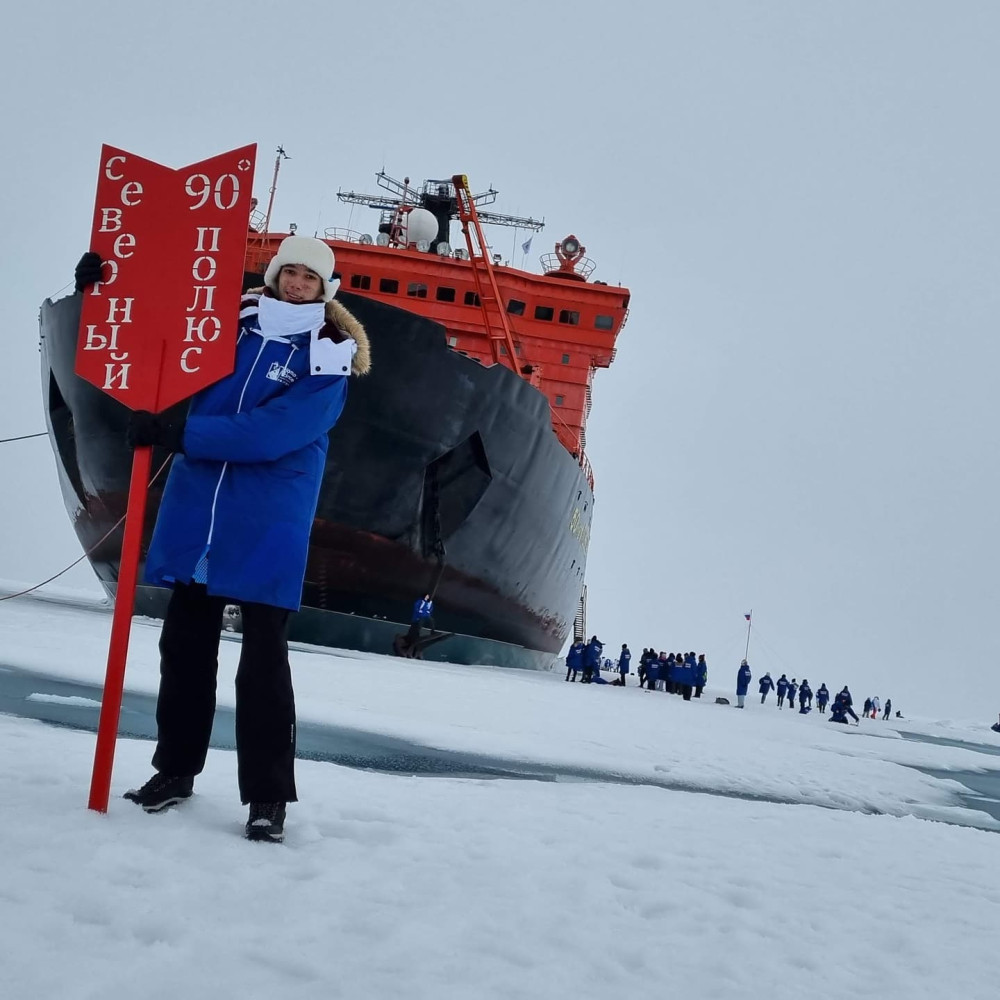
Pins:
x,y
803,198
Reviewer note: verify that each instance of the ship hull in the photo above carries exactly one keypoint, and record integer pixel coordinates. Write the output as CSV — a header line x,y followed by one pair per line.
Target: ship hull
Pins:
x,y
432,447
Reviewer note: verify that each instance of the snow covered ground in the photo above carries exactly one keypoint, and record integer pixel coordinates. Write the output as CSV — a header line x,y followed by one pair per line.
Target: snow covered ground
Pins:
x,y
786,857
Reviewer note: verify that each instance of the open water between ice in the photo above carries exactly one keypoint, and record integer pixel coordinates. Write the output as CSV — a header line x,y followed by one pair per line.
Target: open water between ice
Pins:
x,y
76,705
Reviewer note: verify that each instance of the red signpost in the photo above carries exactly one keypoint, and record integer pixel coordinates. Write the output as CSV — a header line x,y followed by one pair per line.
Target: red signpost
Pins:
x,y
158,328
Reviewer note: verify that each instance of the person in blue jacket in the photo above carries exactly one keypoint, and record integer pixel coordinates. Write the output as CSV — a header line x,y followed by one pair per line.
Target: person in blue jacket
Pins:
x,y
423,608
822,697
592,659
805,696
743,678
843,706
653,672
700,675
574,659
669,672
688,675
766,685
624,658
234,523
793,687
782,689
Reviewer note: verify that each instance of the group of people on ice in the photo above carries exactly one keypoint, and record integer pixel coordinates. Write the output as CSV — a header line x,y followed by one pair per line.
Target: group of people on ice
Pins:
x,y
685,674
585,659
873,706
788,689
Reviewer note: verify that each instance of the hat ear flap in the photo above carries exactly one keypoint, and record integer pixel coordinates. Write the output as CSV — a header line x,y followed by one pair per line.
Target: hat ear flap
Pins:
x,y
332,285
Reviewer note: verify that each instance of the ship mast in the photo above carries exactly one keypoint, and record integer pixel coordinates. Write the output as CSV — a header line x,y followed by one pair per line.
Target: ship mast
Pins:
x,y
274,186
439,198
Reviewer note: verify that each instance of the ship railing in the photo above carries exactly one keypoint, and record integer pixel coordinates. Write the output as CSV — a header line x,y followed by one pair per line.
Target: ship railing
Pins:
x,y
571,440
257,258
551,264
346,235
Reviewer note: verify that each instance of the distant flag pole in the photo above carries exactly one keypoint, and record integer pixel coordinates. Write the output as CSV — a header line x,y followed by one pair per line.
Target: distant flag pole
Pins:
x,y
749,618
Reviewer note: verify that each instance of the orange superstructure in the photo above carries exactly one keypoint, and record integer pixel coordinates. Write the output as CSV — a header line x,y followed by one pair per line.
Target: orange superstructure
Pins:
x,y
562,330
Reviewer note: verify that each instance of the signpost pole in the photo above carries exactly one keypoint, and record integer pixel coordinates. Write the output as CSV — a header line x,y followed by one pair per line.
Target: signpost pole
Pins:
x,y
114,679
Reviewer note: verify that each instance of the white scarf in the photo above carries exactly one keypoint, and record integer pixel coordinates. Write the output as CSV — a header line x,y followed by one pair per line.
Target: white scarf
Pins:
x,y
280,320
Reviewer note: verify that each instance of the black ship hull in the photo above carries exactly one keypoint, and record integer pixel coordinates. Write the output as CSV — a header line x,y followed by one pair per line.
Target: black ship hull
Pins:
x,y
440,469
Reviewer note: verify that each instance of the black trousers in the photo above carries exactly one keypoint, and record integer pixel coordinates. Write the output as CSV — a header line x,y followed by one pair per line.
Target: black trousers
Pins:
x,y
265,703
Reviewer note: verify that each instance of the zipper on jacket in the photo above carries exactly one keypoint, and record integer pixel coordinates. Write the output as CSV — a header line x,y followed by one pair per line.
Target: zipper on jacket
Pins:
x,y
225,465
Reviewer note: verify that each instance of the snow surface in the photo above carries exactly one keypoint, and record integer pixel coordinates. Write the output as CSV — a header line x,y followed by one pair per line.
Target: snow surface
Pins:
x,y
809,870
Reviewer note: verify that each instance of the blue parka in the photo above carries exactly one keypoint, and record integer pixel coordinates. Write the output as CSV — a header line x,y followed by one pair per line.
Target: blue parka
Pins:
x,y
792,688
822,695
422,609
743,678
782,686
592,654
701,672
245,489
624,659
679,671
766,684
653,669
574,658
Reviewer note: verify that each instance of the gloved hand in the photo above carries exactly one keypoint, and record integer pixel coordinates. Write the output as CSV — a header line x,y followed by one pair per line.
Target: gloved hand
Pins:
x,y
145,428
88,271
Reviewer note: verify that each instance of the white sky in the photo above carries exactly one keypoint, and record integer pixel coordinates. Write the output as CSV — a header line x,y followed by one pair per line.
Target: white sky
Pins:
x,y
801,196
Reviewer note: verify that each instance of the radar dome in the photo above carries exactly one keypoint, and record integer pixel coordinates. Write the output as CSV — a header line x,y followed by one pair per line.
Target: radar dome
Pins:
x,y
421,225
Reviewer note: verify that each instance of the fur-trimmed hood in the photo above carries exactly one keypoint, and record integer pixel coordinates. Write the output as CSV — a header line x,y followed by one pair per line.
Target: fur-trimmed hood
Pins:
x,y
339,326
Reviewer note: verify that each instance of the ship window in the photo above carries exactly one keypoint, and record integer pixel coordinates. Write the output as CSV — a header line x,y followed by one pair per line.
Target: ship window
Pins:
x,y
560,400
453,341
565,359
389,285
445,294
361,281
570,316
604,323
544,312
503,350
417,290
471,299
515,308
517,349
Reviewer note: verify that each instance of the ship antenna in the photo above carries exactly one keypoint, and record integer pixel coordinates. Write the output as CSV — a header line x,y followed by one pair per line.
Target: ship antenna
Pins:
x,y
274,185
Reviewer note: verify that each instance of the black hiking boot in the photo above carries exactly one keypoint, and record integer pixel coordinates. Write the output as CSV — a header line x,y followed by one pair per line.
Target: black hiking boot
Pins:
x,y
161,792
266,822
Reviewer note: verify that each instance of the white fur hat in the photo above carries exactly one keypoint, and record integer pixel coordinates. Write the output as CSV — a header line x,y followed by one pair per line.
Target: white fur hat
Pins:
x,y
309,252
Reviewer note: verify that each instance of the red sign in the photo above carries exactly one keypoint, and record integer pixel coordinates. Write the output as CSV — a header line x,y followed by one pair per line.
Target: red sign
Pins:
x,y
162,324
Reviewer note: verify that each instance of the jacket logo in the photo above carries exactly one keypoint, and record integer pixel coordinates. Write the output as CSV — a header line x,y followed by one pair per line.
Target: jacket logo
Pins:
x,y
279,373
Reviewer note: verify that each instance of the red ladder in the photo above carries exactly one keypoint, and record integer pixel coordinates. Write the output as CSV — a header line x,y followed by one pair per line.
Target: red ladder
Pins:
x,y
498,328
